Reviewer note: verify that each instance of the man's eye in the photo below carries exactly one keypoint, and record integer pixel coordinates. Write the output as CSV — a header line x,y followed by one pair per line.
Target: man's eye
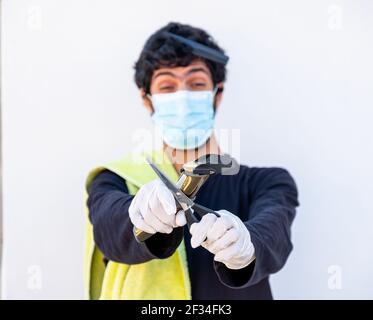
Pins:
x,y
167,88
199,84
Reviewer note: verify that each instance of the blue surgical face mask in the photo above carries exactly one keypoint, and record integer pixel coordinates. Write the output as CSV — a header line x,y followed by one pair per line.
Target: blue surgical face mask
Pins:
x,y
185,118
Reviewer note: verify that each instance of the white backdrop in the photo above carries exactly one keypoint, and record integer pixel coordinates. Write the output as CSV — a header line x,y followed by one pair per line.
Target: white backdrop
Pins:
x,y
299,89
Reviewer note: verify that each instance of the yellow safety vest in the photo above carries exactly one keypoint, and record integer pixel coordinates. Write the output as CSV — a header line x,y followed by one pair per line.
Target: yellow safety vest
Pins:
x,y
158,279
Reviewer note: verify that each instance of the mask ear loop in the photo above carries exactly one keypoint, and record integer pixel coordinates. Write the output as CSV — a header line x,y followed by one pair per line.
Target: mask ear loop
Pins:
x,y
216,89
214,92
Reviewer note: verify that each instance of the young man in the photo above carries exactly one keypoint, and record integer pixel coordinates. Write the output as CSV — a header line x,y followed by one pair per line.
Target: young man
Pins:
x,y
227,257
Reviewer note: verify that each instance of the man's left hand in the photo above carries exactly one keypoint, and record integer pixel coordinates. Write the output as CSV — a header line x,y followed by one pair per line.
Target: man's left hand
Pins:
x,y
226,237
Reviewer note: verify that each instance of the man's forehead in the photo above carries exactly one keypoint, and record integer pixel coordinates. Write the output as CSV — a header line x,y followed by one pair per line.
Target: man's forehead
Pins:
x,y
195,66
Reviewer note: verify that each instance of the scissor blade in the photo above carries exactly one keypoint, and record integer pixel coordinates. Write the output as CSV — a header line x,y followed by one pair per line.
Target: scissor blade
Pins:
x,y
180,197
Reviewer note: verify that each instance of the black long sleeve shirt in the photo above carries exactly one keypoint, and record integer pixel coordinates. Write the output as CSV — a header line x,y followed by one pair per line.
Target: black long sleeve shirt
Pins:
x,y
264,198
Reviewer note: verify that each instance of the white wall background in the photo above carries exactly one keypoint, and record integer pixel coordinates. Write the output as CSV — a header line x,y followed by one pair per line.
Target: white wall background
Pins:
x,y
299,88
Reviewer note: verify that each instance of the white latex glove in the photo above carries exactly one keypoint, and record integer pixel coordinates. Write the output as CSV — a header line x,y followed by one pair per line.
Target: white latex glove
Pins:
x,y
153,209
226,237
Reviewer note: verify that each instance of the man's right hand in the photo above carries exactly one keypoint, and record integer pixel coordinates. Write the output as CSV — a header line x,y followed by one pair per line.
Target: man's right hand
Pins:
x,y
153,209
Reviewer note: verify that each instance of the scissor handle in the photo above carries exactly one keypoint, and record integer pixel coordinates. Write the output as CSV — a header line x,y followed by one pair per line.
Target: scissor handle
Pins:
x,y
190,216
201,210
140,235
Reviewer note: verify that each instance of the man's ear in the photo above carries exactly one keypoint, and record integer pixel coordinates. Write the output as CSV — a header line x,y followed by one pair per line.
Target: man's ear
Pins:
x,y
146,101
218,95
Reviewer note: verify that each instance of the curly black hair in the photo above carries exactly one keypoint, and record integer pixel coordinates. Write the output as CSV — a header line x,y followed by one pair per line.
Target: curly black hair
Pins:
x,y
160,50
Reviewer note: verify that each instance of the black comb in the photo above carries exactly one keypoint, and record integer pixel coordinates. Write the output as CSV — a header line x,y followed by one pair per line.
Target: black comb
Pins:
x,y
200,49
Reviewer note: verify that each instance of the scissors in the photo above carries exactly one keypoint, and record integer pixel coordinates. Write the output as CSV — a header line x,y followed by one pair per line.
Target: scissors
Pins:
x,y
189,207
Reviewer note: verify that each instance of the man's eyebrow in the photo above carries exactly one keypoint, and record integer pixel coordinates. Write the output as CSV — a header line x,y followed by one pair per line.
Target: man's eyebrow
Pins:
x,y
169,73
197,69
164,73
